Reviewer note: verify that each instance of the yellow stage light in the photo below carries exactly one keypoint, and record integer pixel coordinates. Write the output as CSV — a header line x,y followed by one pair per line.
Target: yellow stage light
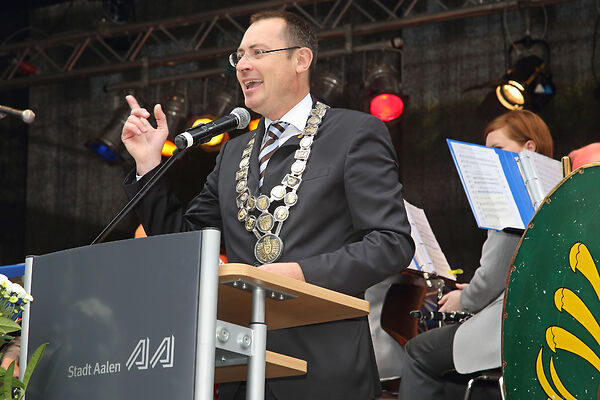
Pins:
x,y
168,148
215,143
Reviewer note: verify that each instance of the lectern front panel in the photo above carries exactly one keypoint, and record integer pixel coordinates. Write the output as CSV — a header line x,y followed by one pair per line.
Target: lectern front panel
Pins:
x,y
119,318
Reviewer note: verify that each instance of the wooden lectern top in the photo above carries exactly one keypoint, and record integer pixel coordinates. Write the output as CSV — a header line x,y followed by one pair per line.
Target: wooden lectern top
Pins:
x,y
309,304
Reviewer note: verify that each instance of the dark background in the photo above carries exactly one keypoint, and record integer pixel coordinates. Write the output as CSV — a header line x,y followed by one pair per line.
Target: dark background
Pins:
x,y
55,194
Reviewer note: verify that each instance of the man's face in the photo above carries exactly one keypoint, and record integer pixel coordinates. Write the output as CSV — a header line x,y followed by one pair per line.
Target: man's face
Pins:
x,y
269,83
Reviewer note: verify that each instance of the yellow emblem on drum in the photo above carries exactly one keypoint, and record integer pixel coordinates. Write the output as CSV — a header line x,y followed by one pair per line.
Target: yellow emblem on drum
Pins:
x,y
558,338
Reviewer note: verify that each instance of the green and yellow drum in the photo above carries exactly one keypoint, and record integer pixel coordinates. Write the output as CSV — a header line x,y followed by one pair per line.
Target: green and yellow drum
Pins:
x,y
551,329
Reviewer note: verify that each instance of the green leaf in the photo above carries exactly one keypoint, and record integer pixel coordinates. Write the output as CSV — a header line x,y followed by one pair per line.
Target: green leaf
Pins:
x,y
17,383
8,325
6,339
33,362
6,390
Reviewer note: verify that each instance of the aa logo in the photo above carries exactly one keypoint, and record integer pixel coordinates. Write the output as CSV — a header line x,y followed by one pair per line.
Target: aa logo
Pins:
x,y
164,354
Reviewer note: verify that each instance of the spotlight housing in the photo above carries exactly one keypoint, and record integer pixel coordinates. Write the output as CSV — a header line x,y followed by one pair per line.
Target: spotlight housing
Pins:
x,y
219,105
526,85
109,145
328,88
176,110
384,96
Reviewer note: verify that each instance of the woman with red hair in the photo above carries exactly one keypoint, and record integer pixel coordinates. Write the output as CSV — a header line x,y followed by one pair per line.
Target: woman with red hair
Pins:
x,y
474,345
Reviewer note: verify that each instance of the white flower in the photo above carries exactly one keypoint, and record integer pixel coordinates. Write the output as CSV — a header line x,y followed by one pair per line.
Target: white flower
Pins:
x,y
17,289
28,298
4,281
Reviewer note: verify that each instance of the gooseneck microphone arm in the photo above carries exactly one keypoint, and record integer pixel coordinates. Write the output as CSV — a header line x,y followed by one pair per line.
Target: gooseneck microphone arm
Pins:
x,y
138,196
26,116
238,119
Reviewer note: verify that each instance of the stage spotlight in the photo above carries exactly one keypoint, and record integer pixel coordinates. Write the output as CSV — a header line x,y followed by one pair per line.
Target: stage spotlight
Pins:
x,y
119,11
328,88
221,104
168,148
386,107
109,145
382,87
526,85
253,124
176,111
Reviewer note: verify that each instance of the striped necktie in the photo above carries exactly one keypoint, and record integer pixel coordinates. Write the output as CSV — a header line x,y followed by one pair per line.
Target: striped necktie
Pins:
x,y
270,146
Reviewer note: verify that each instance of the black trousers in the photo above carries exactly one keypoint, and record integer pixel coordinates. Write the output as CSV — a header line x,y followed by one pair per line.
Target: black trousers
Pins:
x,y
428,358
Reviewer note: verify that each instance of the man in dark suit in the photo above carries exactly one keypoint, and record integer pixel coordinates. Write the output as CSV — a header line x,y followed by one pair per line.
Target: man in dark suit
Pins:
x,y
328,211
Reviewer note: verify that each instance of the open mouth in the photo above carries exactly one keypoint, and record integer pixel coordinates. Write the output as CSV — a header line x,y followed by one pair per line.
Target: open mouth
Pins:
x,y
251,84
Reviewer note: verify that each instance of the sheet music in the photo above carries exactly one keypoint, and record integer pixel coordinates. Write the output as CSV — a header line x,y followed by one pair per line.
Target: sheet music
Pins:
x,y
486,186
547,172
413,264
428,254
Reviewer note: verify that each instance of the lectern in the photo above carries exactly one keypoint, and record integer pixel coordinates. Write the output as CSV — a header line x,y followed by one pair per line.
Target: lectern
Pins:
x,y
158,318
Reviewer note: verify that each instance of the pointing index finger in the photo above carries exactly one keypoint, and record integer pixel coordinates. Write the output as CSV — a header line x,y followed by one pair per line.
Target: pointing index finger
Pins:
x,y
133,104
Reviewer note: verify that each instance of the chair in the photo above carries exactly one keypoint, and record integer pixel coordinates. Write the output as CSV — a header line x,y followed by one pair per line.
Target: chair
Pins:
x,y
401,298
406,293
490,375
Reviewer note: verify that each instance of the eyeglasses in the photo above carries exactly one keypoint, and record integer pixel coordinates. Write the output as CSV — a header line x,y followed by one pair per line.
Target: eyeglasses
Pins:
x,y
254,54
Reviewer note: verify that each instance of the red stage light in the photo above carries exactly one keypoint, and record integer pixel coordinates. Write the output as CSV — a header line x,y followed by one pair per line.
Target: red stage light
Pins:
x,y
27,68
386,107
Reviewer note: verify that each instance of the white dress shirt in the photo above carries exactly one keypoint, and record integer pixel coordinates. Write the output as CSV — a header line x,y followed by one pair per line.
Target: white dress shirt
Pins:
x,y
296,117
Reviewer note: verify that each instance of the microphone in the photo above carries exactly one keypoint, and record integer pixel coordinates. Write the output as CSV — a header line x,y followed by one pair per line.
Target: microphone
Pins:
x,y
454,316
26,115
238,119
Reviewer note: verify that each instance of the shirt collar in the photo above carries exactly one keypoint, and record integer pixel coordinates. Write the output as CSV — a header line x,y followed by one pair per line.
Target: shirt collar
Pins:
x,y
298,115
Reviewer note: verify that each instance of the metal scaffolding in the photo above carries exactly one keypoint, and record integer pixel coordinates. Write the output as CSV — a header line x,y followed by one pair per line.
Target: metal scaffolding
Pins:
x,y
212,35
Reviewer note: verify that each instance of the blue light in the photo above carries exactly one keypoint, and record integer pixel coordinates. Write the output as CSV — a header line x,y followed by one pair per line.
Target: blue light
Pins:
x,y
104,151
12,271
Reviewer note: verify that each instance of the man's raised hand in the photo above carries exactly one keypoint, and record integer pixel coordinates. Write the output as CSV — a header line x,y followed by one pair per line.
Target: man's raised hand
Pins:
x,y
142,140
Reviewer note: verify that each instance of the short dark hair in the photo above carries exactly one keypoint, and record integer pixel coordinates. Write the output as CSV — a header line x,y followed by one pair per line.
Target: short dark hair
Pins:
x,y
299,31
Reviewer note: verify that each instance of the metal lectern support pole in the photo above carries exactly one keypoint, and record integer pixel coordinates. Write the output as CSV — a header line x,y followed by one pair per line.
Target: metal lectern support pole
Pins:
x,y
255,390
207,315
25,321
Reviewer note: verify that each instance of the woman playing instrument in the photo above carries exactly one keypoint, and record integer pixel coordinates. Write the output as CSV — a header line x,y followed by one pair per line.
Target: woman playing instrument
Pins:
x,y
430,355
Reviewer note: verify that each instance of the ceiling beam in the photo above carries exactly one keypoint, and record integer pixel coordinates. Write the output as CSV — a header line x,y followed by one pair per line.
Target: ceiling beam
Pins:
x,y
333,23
